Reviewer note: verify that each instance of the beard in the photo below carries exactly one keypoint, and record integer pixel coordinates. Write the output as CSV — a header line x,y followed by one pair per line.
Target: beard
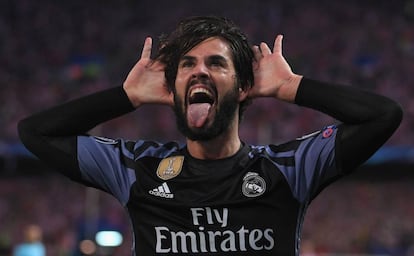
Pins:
x,y
225,113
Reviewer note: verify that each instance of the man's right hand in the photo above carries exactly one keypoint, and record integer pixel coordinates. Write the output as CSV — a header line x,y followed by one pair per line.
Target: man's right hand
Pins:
x,y
145,83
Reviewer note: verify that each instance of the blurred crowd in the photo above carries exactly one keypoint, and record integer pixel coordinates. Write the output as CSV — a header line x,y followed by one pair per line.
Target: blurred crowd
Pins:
x,y
362,217
66,213
353,216
52,51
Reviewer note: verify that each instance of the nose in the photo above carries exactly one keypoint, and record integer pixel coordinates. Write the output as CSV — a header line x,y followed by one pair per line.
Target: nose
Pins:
x,y
200,71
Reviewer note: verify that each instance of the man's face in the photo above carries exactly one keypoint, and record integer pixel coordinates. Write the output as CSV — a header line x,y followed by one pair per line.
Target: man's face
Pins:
x,y
206,90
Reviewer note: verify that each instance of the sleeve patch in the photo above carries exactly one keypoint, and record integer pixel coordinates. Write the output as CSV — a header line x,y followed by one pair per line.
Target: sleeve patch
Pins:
x,y
327,132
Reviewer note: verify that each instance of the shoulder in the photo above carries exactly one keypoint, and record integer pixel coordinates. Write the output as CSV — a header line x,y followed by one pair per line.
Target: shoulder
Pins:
x,y
127,148
317,140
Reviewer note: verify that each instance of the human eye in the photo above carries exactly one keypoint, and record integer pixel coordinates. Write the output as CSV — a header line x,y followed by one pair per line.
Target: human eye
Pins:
x,y
186,63
217,61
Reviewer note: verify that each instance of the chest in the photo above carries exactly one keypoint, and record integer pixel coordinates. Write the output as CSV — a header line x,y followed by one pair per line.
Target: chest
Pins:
x,y
227,208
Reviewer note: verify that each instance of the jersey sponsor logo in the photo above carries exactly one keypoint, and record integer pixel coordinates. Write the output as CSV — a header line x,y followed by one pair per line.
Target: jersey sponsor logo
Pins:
x,y
170,167
162,191
253,185
212,233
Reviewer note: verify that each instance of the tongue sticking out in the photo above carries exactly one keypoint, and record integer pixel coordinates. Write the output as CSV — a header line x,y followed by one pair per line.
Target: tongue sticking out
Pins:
x,y
197,114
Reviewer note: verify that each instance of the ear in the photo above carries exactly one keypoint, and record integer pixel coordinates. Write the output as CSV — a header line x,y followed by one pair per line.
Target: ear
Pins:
x,y
243,93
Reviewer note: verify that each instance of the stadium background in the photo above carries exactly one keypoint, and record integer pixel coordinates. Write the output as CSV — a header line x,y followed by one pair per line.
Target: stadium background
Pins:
x,y
52,51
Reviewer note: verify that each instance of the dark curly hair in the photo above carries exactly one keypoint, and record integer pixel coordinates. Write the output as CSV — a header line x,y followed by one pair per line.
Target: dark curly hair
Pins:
x,y
193,31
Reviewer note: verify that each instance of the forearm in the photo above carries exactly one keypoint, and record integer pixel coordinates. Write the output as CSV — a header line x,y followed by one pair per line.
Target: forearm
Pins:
x,y
345,103
80,115
51,134
368,120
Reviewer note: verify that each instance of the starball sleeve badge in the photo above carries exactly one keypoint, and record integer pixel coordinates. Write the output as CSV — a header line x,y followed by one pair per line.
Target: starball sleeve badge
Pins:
x,y
170,167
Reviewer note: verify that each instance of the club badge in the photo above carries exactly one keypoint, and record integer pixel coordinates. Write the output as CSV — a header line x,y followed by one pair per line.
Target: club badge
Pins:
x,y
253,185
170,167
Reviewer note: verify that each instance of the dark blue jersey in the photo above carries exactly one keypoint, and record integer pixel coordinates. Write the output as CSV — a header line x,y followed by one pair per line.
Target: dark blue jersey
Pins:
x,y
252,202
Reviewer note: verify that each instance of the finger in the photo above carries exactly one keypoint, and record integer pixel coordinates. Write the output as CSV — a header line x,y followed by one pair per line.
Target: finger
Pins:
x,y
264,48
257,54
146,50
277,48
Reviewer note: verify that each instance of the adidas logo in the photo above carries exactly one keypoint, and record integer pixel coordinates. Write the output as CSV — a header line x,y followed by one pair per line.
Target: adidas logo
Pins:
x,y
162,191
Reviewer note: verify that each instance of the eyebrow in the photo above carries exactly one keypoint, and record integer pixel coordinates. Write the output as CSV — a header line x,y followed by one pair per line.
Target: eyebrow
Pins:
x,y
215,57
187,57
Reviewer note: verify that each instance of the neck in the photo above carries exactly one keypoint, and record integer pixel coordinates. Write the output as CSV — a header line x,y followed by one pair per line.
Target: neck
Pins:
x,y
225,145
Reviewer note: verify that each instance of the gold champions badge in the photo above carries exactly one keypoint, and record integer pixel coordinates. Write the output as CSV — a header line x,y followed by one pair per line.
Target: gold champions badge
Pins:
x,y
170,167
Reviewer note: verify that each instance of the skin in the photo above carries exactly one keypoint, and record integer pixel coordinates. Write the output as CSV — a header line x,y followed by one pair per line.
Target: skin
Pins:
x,y
211,60
273,77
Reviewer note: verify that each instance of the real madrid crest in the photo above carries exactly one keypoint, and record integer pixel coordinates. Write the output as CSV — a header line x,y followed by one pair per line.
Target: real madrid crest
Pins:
x,y
253,185
170,167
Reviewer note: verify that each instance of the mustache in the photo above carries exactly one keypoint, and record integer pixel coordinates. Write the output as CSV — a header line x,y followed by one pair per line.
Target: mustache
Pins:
x,y
198,80
204,81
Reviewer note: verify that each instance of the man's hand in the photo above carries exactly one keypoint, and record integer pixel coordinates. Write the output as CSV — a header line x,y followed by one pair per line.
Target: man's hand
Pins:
x,y
145,83
273,76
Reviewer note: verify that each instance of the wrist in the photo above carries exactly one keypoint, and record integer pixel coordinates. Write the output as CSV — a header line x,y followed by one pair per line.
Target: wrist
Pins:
x,y
131,96
288,90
